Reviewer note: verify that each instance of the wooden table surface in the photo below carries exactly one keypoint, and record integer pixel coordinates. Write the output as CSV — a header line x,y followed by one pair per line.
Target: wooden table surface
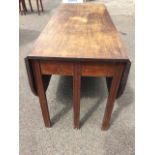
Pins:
x,y
82,31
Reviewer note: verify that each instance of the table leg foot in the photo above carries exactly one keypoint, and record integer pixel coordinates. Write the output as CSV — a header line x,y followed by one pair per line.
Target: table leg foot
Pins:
x,y
105,127
48,125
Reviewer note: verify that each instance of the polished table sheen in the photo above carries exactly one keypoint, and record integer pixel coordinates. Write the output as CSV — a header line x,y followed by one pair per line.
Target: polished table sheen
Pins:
x,y
79,40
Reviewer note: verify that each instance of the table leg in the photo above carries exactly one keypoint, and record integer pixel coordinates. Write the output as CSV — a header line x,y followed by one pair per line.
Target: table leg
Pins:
x,y
20,10
76,94
30,5
112,95
41,5
41,93
37,1
24,5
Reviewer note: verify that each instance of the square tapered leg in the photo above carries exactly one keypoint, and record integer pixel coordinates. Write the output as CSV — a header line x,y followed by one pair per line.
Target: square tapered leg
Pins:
x,y
112,95
76,94
41,93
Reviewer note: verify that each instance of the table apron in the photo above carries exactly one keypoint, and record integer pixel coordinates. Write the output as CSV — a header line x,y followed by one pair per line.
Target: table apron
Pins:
x,y
87,68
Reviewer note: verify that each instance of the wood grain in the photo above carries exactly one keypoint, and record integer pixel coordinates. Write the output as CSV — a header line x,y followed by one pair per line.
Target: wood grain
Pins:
x,y
56,67
79,40
76,94
83,31
41,93
112,95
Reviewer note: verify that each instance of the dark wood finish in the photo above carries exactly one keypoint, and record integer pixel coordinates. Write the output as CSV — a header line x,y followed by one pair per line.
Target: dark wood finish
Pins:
x,y
76,94
30,5
79,40
41,4
37,1
112,95
87,68
20,10
83,31
98,69
41,93
22,2
24,5
56,67
30,73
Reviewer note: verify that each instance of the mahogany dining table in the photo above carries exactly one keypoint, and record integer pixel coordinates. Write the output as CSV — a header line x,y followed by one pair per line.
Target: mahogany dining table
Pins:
x,y
79,40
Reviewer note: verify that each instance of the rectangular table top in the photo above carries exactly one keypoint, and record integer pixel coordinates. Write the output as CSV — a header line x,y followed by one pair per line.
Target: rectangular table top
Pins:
x,y
80,31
